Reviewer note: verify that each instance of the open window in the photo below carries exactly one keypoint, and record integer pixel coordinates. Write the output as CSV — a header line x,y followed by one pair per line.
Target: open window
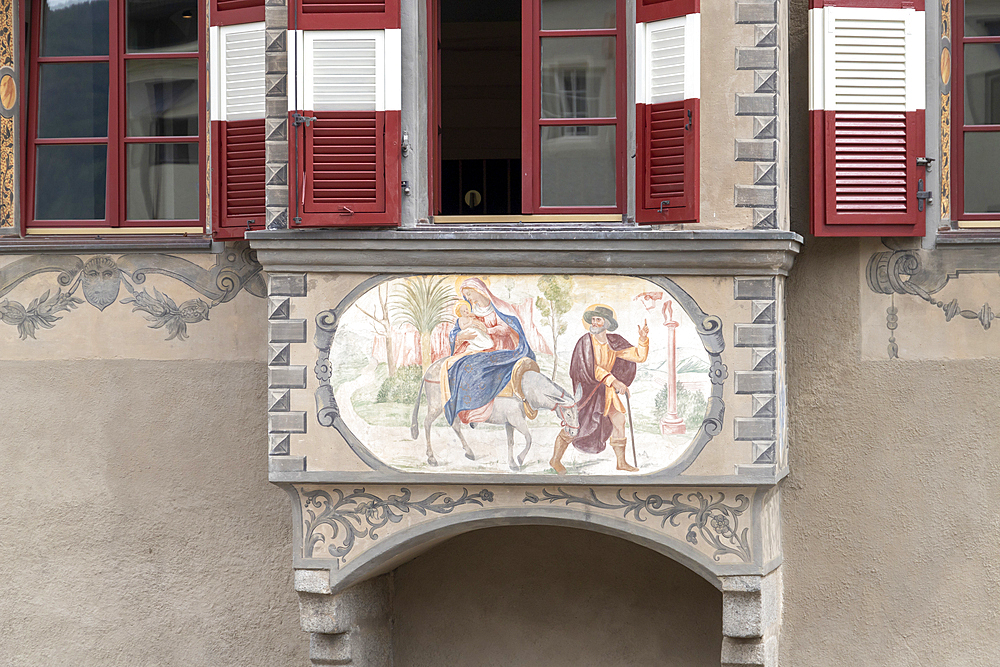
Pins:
x,y
528,104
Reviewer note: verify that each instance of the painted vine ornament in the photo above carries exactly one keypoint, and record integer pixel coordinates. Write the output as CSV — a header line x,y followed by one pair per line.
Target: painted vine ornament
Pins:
x,y
360,514
100,280
711,519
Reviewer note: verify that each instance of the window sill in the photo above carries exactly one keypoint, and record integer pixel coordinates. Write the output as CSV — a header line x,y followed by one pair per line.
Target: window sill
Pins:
x,y
88,244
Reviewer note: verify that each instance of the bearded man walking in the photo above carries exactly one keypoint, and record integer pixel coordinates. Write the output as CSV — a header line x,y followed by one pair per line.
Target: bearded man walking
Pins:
x,y
603,365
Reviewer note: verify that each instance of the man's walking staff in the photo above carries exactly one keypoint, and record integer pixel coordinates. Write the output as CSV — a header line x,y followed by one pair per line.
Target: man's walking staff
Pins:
x,y
628,404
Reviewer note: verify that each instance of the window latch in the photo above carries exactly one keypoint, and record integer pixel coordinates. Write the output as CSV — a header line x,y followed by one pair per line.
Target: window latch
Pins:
x,y
925,162
922,195
665,202
249,222
299,119
346,211
688,125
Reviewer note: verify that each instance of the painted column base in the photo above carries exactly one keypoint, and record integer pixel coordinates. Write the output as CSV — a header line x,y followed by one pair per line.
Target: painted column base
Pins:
x,y
672,427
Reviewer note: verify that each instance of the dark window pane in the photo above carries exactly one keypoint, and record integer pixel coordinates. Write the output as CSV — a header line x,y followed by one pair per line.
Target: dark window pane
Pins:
x,y
161,26
982,172
162,98
578,77
71,182
162,182
578,165
577,14
982,84
982,18
73,100
74,28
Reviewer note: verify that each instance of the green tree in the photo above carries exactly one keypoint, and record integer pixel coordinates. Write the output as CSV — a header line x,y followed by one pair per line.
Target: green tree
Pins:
x,y
555,302
423,303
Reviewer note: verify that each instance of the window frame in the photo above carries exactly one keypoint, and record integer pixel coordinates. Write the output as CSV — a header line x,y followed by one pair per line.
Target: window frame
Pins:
x,y
115,221
958,126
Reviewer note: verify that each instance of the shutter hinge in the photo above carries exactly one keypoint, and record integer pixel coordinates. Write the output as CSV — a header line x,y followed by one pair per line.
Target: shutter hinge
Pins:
x,y
405,150
688,126
299,119
925,162
406,188
922,195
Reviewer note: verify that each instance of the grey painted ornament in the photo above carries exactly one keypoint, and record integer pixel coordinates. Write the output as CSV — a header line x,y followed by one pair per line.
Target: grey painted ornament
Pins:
x,y
101,280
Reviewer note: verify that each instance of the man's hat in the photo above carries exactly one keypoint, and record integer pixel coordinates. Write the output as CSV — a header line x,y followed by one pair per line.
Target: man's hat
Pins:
x,y
600,310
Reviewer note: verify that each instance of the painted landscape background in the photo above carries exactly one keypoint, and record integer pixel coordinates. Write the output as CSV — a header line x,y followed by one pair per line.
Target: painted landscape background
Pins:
x,y
388,337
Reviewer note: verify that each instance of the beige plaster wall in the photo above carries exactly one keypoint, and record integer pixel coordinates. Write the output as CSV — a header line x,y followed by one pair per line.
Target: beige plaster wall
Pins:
x,y
555,597
138,526
890,515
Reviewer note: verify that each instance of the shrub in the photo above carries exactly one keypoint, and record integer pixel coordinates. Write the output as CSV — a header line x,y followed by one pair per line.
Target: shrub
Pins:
x,y
691,405
401,387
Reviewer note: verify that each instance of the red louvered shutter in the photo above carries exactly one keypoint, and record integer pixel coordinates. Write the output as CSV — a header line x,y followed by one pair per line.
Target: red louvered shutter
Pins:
x,y
241,187
867,119
344,145
343,14
654,10
238,173
667,162
667,127
233,12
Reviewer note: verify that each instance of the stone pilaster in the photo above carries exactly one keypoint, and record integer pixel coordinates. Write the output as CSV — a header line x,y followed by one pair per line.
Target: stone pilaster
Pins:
x,y
751,619
350,628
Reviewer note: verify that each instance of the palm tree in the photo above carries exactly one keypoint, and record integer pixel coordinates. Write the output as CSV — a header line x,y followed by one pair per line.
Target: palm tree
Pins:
x,y
423,302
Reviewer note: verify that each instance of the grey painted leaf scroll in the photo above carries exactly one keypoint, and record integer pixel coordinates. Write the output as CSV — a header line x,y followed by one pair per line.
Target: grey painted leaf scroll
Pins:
x,y
100,280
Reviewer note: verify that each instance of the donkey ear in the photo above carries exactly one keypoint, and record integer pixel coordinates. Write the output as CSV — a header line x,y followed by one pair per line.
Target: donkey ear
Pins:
x,y
578,394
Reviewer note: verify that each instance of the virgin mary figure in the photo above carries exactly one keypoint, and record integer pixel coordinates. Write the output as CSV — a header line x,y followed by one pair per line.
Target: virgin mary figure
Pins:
x,y
474,380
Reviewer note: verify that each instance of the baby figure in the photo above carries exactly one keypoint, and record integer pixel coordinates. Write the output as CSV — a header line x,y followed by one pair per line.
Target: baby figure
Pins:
x,y
472,336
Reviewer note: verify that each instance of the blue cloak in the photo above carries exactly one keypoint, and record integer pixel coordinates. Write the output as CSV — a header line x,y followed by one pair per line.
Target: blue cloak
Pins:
x,y
476,379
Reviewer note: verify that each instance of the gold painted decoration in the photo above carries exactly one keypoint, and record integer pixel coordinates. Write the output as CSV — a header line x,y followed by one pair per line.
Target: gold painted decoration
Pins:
x,y
6,172
946,156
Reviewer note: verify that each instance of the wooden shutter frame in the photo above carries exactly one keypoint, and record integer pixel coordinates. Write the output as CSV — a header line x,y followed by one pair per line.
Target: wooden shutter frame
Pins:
x,y
235,12
227,223
651,208
309,15
826,219
306,211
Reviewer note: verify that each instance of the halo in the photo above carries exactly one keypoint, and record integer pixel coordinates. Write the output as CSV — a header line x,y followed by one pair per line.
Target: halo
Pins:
x,y
586,324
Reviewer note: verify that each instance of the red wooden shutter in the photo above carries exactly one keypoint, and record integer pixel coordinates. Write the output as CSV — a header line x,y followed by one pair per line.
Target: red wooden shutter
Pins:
x,y
867,119
654,10
343,14
345,144
238,129
667,127
232,12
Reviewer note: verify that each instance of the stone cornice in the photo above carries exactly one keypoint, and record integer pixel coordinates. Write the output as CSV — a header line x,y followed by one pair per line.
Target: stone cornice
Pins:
x,y
517,250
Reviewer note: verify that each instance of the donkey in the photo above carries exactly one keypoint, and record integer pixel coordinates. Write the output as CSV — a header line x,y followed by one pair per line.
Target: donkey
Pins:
x,y
540,393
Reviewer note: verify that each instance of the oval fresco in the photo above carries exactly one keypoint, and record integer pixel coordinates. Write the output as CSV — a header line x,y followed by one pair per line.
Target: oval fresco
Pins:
x,y
579,375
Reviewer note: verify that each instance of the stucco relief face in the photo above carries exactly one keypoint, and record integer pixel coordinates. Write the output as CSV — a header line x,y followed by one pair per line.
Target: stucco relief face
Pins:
x,y
101,281
520,374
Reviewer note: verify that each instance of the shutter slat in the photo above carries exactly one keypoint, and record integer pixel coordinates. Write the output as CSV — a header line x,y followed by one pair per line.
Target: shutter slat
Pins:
x,y
868,147
345,160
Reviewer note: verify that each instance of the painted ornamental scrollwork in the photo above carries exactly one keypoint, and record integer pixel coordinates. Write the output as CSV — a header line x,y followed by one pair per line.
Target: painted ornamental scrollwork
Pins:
x,y
349,517
711,519
100,279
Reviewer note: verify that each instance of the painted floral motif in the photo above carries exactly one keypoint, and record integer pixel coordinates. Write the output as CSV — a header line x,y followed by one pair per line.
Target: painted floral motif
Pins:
x,y
711,519
360,514
718,372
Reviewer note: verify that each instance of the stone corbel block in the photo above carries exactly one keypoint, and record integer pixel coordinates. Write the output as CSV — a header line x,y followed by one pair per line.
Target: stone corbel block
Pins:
x,y
751,616
350,628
